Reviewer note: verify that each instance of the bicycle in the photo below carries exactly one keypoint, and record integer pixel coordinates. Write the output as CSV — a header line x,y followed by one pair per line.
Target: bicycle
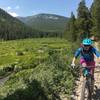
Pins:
x,y
87,85
88,82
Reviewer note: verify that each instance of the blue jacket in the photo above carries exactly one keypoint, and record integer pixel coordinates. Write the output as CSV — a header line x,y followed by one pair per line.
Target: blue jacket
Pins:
x,y
87,55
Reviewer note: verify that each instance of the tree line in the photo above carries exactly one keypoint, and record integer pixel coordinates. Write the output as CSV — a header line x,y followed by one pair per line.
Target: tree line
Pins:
x,y
86,24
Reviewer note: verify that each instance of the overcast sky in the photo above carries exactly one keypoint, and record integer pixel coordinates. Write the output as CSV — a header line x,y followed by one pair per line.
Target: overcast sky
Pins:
x,y
32,7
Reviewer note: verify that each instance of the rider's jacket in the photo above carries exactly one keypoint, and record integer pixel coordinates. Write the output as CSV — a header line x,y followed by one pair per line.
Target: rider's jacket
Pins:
x,y
87,55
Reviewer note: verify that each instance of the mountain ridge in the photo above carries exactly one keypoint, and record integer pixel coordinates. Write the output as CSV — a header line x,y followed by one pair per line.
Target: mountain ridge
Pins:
x,y
46,22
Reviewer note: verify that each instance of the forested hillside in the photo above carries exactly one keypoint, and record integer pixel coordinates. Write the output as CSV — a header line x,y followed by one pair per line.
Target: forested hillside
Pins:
x,y
43,25
12,28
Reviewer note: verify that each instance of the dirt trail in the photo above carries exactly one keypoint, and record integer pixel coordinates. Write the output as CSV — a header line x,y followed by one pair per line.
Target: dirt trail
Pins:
x,y
3,80
77,92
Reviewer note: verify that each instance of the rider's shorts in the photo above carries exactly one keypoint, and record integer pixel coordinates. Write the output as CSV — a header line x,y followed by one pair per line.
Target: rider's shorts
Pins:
x,y
88,63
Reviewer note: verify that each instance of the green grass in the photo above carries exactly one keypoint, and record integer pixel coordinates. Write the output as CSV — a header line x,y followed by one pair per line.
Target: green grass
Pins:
x,y
29,48
41,68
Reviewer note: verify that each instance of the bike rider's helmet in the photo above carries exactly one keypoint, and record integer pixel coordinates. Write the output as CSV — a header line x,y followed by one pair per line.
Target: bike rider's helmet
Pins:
x,y
87,41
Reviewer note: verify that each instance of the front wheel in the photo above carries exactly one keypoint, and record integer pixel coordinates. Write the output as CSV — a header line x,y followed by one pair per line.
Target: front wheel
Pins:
x,y
89,90
86,93
83,90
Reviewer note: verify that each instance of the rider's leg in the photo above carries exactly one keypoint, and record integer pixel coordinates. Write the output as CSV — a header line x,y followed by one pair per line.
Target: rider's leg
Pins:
x,y
84,65
88,64
92,64
83,62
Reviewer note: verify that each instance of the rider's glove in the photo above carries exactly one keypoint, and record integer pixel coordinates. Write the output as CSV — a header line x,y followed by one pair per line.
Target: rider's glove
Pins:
x,y
73,65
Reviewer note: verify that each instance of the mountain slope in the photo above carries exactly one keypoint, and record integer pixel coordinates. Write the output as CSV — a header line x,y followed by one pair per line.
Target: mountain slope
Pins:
x,y
46,22
12,28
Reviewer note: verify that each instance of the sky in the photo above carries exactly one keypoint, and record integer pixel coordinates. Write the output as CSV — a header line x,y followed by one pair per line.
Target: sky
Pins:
x,y
32,7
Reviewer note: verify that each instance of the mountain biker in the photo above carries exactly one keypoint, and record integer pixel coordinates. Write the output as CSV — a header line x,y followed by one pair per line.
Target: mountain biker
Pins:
x,y
86,52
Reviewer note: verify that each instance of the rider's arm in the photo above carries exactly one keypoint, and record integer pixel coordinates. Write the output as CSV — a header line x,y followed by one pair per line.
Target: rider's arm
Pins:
x,y
73,61
97,53
77,53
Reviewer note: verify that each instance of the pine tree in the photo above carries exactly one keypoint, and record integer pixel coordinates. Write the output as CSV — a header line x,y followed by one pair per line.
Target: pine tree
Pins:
x,y
71,31
84,21
95,10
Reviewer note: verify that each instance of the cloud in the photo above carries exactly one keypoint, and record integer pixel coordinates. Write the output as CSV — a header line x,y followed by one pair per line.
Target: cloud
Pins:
x,y
8,8
17,7
13,14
